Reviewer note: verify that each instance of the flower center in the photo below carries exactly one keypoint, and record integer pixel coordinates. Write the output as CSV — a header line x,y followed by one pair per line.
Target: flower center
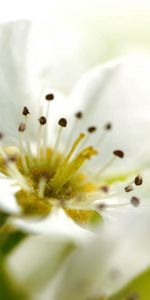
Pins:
x,y
49,177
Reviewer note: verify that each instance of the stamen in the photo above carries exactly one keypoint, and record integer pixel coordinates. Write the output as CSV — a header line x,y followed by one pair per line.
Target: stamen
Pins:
x,y
117,153
78,118
129,188
42,186
79,115
104,188
74,147
90,131
62,123
42,121
107,128
25,113
21,129
138,180
66,171
135,201
102,206
49,97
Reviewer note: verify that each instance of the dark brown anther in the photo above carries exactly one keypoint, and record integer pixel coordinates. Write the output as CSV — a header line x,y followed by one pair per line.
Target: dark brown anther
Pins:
x,y
129,188
79,115
25,111
102,206
138,180
1,135
42,120
49,97
91,129
22,127
118,153
135,201
62,122
104,188
12,159
108,126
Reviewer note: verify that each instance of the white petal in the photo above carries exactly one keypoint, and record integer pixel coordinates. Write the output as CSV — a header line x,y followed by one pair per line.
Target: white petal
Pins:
x,y
56,223
118,92
8,201
28,60
105,264
51,251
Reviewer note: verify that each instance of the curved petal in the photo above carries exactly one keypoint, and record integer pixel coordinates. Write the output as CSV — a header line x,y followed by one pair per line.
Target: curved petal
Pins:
x,y
105,264
118,92
28,61
56,223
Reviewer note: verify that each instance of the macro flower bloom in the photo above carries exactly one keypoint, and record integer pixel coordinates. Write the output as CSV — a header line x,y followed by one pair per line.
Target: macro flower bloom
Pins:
x,y
70,160
69,157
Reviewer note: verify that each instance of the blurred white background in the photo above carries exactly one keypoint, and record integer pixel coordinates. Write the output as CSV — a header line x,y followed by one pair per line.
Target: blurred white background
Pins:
x,y
91,31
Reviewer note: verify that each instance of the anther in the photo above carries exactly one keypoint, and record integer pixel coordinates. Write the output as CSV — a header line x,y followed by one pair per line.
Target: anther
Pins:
x,y
129,188
135,201
42,120
25,111
49,97
102,206
138,180
108,126
22,127
12,159
79,115
118,153
91,129
62,122
104,188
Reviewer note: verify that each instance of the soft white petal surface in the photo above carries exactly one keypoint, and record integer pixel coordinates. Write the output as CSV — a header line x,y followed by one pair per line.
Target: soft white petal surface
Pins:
x,y
56,223
8,202
118,92
29,58
120,252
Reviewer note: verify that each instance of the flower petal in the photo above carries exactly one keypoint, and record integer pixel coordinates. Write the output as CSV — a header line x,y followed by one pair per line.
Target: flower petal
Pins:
x,y
106,263
51,252
8,202
56,223
118,92
28,61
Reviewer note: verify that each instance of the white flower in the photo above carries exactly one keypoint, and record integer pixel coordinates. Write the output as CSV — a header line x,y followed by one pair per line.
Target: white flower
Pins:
x,y
47,139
